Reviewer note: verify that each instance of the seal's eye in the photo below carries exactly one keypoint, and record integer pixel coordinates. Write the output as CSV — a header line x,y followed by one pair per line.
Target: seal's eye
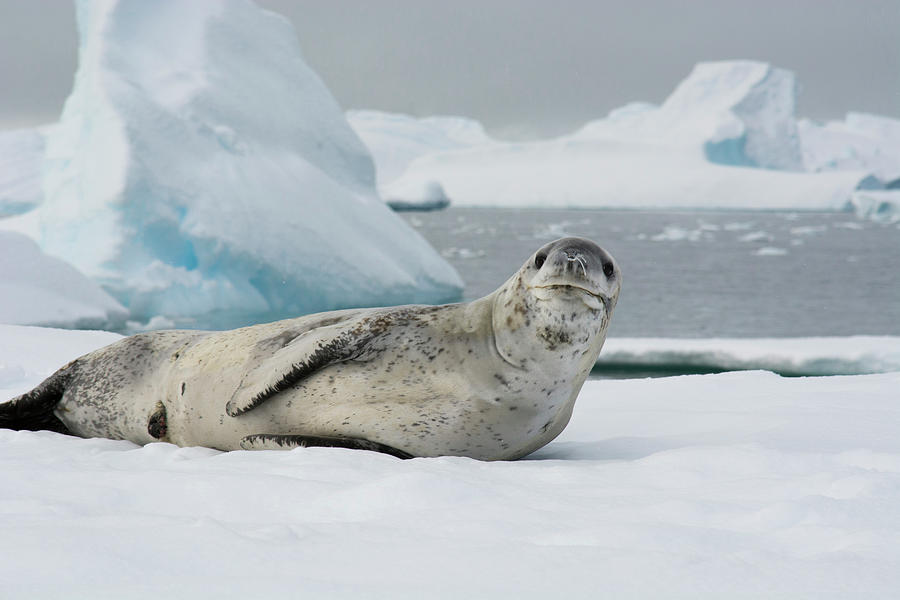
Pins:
x,y
539,260
608,269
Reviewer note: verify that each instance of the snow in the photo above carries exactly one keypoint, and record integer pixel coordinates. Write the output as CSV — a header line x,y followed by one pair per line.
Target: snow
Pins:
x,y
737,485
854,355
38,289
21,152
201,171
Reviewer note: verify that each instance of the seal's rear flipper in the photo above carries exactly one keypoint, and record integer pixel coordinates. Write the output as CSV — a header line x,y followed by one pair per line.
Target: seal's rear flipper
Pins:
x,y
267,441
33,411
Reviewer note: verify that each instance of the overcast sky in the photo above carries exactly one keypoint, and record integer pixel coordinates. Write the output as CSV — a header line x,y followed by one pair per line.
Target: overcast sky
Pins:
x,y
523,67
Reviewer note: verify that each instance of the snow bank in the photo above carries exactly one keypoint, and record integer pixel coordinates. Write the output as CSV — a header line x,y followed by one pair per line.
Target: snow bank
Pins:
x,y
21,153
789,356
38,289
203,172
739,485
396,139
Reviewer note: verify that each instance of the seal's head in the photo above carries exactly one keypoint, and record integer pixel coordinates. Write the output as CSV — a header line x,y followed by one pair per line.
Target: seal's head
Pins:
x,y
558,305
574,268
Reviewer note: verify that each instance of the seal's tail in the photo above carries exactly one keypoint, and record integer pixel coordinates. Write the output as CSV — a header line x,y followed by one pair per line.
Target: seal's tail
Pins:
x,y
33,410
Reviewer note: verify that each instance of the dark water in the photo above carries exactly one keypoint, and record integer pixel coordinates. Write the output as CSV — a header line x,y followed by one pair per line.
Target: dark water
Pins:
x,y
725,274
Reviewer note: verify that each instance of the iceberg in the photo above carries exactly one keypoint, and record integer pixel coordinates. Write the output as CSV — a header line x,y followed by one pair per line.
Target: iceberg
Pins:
x,y
395,139
202,171
877,205
21,154
36,289
574,172
732,112
429,196
859,142
726,138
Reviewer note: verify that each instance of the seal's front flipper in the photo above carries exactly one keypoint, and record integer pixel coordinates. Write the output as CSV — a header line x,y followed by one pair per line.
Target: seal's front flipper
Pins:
x,y
315,349
267,441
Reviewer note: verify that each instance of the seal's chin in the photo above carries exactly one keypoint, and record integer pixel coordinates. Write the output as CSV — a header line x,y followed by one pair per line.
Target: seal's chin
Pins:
x,y
593,300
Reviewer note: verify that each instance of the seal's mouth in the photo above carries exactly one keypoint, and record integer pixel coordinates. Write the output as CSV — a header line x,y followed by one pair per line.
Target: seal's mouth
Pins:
x,y
594,300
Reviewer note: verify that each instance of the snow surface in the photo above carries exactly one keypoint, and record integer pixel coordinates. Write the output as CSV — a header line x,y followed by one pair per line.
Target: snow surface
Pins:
x,y
855,355
202,171
36,289
737,485
21,153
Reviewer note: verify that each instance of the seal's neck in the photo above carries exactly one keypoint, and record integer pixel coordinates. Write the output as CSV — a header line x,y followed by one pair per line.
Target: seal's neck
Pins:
x,y
557,333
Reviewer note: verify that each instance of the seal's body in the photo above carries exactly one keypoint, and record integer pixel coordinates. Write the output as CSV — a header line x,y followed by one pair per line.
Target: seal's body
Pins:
x,y
493,379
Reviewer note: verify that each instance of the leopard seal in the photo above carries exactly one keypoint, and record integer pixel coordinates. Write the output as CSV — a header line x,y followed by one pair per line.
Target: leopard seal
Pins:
x,y
493,379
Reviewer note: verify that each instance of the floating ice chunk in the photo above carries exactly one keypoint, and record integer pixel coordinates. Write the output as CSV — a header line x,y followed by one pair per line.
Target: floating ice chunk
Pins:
x,y
877,205
673,233
770,251
36,289
808,230
429,195
203,172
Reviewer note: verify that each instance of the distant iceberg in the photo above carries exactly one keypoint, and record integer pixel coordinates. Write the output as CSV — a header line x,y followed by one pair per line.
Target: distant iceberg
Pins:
x,y
395,140
202,171
738,113
573,172
860,142
726,138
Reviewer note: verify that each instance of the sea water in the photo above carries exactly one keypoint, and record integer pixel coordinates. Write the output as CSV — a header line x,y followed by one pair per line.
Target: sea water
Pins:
x,y
711,274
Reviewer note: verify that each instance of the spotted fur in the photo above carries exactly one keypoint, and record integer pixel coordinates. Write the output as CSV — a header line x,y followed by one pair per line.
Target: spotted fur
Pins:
x,y
493,379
